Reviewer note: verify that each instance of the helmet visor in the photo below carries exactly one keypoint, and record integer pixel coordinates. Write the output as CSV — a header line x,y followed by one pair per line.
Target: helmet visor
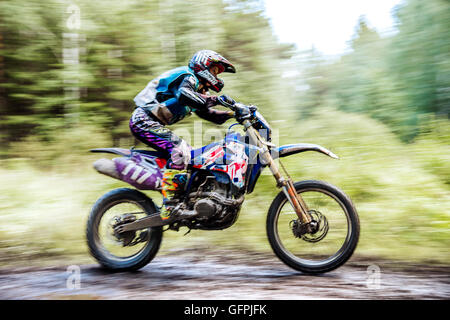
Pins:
x,y
216,68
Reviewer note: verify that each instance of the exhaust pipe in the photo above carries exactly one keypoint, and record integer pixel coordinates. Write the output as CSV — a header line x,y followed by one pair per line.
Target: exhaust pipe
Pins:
x,y
106,167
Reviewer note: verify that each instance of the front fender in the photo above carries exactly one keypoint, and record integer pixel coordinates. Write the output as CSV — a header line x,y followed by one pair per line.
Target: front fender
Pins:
x,y
291,149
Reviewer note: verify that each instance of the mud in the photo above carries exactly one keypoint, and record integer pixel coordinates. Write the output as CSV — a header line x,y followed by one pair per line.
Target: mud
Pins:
x,y
190,275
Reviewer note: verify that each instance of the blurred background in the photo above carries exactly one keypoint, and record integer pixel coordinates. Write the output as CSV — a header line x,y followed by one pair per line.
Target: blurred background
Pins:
x,y
369,80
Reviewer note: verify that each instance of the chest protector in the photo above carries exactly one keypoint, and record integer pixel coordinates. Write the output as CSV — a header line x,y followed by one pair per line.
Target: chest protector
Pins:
x,y
164,87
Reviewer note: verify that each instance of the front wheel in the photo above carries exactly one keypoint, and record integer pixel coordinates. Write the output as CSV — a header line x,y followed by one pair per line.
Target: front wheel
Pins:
x,y
333,241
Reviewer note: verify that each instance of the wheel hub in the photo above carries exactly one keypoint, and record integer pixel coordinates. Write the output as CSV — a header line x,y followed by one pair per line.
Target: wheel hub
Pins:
x,y
125,238
313,231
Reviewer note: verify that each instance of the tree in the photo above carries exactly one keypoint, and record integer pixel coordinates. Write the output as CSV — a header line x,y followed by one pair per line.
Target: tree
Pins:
x,y
67,64
396,79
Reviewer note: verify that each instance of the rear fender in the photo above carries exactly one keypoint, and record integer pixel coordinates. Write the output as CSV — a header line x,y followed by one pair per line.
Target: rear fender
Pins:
x,y
140,168
119,151
130,152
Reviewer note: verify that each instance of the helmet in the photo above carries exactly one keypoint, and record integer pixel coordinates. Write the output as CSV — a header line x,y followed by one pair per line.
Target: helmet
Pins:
x,y
201,63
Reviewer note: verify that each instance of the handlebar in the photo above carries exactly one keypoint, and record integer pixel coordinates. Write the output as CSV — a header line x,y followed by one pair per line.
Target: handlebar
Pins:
x,y
242,112
233,105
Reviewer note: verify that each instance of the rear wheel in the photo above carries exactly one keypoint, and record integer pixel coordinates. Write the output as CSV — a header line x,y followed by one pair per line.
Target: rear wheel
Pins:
x,y
333,239
125,251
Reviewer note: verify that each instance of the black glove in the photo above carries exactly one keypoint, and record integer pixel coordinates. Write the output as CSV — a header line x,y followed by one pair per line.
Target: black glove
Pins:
x,y
226,101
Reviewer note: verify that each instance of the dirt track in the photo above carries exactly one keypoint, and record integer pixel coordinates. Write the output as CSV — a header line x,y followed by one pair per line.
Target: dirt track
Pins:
x,y
197,275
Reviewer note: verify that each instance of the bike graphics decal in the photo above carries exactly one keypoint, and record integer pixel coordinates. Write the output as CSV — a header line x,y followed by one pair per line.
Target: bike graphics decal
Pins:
x,y
211,156
238,162
232,160
139,173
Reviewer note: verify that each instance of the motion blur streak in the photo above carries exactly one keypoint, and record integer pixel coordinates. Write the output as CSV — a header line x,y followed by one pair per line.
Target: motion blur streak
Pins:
x,y
69,71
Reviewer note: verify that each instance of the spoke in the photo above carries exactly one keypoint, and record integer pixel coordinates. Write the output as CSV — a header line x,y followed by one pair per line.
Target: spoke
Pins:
x,y
326,208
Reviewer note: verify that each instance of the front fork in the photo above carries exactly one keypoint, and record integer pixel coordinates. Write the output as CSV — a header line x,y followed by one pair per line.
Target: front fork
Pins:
x,y
287,185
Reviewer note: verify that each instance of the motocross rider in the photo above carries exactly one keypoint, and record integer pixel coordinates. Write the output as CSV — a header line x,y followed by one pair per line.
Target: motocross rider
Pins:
x,y
168,99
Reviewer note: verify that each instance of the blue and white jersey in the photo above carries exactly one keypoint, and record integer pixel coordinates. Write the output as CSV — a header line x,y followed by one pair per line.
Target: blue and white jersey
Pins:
x,y
163,86
174,95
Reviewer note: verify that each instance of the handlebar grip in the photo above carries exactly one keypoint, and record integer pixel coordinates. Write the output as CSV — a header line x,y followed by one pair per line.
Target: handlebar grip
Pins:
x,y
227,102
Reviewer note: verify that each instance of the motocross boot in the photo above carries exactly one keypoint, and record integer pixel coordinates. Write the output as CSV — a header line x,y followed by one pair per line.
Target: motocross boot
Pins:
x,y
172,182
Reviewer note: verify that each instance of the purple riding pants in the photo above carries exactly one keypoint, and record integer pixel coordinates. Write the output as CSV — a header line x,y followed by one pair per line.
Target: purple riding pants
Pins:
x,y
151,132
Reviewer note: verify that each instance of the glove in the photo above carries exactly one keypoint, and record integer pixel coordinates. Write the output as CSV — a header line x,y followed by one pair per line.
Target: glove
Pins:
x,y
242,112
211,101
226,101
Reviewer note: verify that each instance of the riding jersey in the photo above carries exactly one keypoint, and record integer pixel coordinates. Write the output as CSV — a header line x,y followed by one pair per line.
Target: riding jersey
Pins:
x,y
174,95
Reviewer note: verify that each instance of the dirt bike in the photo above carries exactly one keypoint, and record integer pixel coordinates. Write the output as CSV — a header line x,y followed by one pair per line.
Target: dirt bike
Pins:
x,y
312,226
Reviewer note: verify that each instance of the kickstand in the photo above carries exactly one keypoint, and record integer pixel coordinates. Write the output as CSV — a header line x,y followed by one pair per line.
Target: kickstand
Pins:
x,y
187,232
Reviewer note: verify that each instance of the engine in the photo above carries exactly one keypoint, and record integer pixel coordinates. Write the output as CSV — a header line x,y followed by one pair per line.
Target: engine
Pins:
x,y
206,208
210,206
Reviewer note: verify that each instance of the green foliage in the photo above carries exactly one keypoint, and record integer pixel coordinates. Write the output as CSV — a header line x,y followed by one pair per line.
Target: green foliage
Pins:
x,y
65,89
394,79
66,151
431,147
57,73
404,209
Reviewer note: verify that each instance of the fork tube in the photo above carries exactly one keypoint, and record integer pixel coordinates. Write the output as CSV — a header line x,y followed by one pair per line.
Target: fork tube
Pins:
x,y
287,185
297,202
